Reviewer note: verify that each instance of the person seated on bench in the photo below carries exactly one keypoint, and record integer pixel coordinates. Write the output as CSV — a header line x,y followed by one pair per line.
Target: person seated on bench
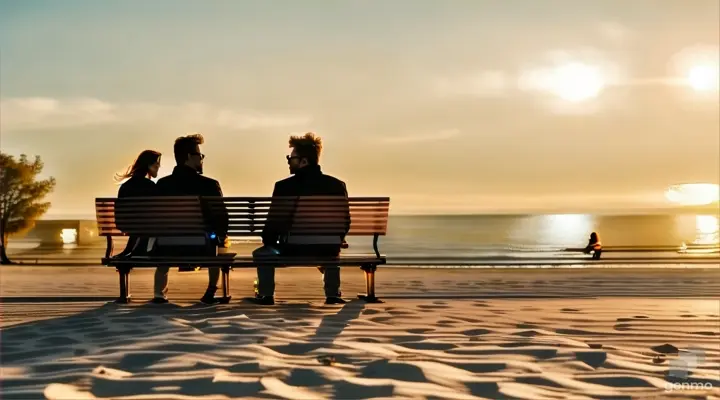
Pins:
x,y
594,246
187,180
138,184
307,180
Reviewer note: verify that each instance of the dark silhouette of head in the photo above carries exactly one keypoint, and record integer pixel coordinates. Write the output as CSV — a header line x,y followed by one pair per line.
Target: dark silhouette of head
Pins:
x,y
306,151
147,164
187,152
594,237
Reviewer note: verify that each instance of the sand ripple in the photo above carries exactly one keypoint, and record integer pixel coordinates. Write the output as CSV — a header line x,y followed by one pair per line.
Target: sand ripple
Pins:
x,y
518,349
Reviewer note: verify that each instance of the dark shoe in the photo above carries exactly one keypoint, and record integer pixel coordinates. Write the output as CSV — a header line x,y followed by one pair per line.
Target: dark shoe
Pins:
x,y
159,300
334,300
209,296
210,300
263,300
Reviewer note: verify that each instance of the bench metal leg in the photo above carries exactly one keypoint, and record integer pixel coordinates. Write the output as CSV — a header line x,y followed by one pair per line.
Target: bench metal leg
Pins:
x,y
225,286
369,296
123,274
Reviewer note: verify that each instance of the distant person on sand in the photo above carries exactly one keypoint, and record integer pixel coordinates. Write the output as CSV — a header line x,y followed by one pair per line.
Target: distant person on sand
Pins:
x,y
138,184
187,180
594,246
307,180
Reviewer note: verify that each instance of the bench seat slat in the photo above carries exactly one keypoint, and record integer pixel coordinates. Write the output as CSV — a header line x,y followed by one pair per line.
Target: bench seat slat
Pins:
x,y
246,261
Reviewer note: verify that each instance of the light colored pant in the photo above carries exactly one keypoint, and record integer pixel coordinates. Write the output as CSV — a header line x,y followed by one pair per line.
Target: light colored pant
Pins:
x,y
161,280
266,276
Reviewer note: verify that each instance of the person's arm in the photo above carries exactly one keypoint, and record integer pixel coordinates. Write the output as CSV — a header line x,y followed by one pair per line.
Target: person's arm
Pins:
x,y
347,210
220,217
271,230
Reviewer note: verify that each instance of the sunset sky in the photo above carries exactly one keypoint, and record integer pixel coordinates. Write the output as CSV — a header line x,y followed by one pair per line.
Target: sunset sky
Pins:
x,y
474,105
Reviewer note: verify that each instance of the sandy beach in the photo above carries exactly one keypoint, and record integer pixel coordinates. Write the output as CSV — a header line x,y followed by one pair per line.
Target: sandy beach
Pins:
x,y
442,333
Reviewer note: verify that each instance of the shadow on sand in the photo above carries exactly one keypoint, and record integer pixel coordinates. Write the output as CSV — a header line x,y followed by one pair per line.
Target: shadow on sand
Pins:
x,y
133,350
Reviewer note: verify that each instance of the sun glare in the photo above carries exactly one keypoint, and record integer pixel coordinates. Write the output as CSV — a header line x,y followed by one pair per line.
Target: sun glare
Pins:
x,y
698,68
577,82
703,78
693,194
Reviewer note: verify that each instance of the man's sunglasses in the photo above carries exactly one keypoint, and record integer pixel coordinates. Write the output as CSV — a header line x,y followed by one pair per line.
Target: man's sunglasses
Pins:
x,y
291,157
201,155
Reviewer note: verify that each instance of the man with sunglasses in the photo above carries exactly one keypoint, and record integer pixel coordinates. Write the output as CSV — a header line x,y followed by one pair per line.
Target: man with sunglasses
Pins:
x,y
187,180
307,180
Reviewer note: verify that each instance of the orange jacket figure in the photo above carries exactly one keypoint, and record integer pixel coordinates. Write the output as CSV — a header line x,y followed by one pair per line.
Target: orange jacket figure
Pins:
x,y
594,245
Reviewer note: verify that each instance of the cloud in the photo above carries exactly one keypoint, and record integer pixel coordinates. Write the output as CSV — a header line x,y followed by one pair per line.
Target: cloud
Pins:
x,y
441,135
613,31
44,113
490,83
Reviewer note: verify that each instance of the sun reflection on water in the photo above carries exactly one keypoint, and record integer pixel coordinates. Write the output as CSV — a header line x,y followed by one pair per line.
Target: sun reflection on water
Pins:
x,y
707,229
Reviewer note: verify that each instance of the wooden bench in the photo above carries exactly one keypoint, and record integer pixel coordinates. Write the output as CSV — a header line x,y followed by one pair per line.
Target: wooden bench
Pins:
x,y
306,220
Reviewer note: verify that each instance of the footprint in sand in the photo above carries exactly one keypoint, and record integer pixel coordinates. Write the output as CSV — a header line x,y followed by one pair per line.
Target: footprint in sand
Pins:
x,y
622,327
428,346
420,331
526,326
569,310
573,332
659,359
476,332
591,358
368,340
665,349
528,333
705,333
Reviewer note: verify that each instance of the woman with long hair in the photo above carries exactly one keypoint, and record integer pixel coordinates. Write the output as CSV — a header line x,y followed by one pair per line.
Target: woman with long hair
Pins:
x,y
138,175
137,183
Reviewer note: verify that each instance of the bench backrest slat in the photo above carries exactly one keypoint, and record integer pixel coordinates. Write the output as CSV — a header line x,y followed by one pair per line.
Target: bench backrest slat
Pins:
x,y
183,216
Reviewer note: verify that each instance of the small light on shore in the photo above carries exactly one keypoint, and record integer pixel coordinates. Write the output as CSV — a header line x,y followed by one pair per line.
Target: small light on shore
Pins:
x,y
68,236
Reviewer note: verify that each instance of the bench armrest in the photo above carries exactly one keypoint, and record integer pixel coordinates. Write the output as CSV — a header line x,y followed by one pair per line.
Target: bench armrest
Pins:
x,y
375,244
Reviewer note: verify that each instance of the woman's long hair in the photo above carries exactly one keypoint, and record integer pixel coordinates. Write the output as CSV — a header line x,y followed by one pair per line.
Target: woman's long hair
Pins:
x,y
141,166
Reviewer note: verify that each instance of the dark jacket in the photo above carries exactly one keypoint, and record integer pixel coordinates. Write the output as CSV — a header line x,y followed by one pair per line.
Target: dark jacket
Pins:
x,y
136,186
185,181
308,181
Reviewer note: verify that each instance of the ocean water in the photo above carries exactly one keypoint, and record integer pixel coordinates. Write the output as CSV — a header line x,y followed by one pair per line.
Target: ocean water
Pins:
x,y
471,236
446,237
